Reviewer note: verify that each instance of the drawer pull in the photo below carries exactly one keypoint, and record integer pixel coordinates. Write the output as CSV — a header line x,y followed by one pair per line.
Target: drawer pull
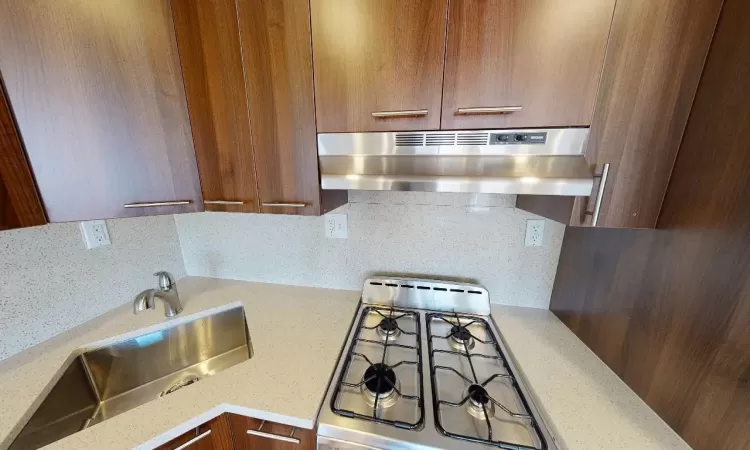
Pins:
x,y
492,110
599,195
153,204
286,205
193,440
277,437
222,202
394,114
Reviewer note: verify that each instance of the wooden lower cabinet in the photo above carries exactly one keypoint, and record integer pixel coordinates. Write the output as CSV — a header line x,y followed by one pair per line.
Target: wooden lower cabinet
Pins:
x,y
230,432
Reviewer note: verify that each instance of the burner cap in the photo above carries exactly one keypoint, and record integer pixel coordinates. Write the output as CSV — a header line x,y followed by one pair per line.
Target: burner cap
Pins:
x,y
478,395
388,329
380,379
461,338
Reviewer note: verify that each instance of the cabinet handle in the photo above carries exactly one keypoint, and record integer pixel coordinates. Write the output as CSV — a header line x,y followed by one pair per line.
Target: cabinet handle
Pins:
x,y
393,114
152,204
222,202
599,195
285,205
490,110
193,440
277,437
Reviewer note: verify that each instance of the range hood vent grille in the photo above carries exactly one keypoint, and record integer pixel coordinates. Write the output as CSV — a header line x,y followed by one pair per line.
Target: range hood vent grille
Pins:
x,y
441,139
409,139
473,138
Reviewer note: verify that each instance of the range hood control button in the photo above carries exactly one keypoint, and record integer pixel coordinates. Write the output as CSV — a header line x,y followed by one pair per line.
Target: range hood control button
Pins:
x,y
521,137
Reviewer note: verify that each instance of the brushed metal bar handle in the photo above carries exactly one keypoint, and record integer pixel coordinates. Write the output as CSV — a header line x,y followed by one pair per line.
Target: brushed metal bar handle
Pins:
x,y
287,205
222,202
490,110
277,437
393,114
599,195
193,440
153,204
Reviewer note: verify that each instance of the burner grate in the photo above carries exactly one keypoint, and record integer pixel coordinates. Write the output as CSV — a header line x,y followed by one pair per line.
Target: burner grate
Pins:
x,y
480,402
377,377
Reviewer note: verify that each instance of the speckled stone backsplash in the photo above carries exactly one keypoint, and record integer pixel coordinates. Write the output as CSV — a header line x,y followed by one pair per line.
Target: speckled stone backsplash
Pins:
x,y
474,236
50,283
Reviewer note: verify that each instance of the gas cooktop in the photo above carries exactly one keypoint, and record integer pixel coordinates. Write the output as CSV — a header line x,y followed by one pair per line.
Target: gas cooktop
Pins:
x,y
423,367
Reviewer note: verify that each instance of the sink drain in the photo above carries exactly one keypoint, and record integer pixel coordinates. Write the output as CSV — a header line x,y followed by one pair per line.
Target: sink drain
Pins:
x,y
179,385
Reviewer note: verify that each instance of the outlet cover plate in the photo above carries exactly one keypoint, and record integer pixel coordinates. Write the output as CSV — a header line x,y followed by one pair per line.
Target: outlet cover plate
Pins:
x,y
534,232
336,226
95,233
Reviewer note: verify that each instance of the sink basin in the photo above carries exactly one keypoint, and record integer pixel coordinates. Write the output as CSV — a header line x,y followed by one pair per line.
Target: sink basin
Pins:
x,y
101,383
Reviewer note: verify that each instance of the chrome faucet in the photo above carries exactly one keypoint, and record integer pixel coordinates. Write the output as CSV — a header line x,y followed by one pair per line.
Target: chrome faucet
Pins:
x,y
167,292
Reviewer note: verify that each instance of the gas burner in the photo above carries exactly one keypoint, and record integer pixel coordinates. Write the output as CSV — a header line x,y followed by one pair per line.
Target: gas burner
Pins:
x,y
460,338
479,402
388,329
380,382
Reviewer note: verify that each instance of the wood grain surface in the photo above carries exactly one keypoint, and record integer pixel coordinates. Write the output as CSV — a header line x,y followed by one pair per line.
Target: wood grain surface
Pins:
x,y
275,36
543,55
244,441
669,309
208,39
19,202
99,101
654,60
378,55
220,437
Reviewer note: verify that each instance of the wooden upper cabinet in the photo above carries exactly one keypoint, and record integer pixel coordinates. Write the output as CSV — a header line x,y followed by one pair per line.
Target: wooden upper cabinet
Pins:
x,y
99,102
275,38
19,202
208,39
530,63
376,59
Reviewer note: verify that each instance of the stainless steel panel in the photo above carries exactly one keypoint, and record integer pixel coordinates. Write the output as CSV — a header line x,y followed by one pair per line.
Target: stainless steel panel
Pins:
x,y
102,383
420,293
559,142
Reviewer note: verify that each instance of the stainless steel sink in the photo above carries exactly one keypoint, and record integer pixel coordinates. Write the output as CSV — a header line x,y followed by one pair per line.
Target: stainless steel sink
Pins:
x,y
102,383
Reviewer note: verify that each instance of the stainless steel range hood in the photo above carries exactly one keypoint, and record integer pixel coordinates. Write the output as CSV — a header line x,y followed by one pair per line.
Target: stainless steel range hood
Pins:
x,y
527,161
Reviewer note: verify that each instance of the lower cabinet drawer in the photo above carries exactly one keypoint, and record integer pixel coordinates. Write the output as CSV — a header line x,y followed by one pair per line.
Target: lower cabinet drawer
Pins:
x,y
249,433
212,435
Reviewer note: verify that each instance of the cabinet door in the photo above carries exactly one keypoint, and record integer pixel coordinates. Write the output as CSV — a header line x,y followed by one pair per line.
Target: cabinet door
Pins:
x,y
99,101
521,63
208,39
19,202
378,64
275,37
271,436
212,435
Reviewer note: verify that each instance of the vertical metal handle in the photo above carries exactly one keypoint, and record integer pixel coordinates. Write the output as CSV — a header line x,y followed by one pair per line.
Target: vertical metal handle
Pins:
x,y
599,195
193,440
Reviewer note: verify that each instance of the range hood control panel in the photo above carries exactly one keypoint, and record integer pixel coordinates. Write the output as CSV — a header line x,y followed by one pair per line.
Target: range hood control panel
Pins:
x,y
518,138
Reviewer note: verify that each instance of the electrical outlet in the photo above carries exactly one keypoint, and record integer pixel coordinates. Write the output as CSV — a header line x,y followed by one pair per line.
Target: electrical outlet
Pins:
x,y
336,227
534,232
95,233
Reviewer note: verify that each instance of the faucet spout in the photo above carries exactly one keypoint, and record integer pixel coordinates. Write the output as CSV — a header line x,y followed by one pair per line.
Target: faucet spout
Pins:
x,y
167,293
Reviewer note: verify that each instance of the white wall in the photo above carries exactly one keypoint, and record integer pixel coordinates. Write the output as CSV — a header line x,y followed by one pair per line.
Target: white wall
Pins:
x,y
458,235
50,283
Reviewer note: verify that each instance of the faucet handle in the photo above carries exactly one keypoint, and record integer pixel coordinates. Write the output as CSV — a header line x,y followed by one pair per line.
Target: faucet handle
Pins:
x,y
165,280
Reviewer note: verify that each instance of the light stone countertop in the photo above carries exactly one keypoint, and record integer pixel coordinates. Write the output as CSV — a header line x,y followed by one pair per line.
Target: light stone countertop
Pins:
x,y
588,406
296,334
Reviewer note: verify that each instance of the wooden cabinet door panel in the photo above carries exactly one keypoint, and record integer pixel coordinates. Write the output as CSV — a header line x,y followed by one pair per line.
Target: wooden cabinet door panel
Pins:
x,y
245,441
19,201
275,36
544,56
212,435
208,38
378,56
100,105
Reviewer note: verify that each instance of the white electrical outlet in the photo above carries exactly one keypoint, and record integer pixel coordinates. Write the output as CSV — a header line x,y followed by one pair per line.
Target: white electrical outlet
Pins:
x,y
336,227
95,233
534,232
